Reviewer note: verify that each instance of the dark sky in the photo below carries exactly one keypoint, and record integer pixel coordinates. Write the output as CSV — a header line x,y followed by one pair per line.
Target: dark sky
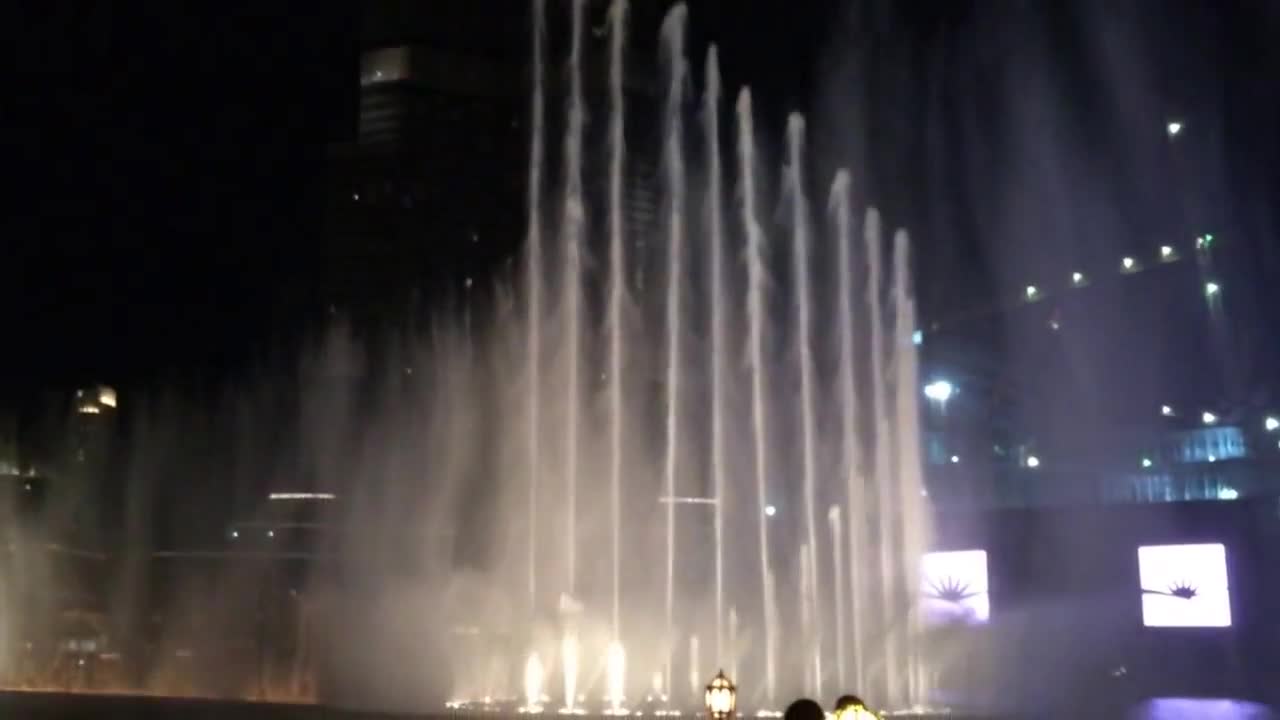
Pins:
x,y
166,164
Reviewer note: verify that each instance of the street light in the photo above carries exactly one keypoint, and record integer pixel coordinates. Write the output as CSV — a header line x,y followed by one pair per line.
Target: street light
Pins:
x,y
721,697
1167,253
1211,288
939,390
1208,418
1033,462
1166,411
1146,462
1032,292
1173,128
1271,423
1077,278
1128,264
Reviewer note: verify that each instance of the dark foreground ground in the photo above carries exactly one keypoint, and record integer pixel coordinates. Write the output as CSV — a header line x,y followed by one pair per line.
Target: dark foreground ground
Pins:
x,y
54,706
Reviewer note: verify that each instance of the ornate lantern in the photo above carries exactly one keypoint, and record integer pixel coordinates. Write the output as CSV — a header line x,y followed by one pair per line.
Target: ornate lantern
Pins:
x,y
721,697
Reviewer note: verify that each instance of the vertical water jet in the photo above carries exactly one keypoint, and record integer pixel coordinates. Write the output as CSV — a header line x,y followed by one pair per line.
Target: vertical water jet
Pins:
x,y
755,352
715,227
673,35
617,292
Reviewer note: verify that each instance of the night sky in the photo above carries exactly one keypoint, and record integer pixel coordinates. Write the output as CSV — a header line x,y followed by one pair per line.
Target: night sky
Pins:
x,y
166,165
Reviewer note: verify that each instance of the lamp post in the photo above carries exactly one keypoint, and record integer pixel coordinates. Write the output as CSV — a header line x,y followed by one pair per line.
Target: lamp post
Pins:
x,y
721,697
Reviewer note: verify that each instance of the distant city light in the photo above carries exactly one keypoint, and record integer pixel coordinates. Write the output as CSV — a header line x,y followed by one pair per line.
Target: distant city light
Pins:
x,y
1211,288
1208,418
1146,462
271,533
955,459
1173,128
89,410
1128,263
1055,325
1203,241
1166,411
235,534
301,496
1227,492
1077,278
917,337
770,510
1167,253
939,391
355,196
1033,462
1032,292
106,396
1213,458
1272,423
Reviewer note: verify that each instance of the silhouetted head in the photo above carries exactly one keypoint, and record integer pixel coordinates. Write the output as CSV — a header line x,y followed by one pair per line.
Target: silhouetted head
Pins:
x,y
850,707
804,709
848,701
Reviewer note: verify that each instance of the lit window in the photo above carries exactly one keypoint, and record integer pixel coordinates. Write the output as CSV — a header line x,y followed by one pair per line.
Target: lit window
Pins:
x,y
385,65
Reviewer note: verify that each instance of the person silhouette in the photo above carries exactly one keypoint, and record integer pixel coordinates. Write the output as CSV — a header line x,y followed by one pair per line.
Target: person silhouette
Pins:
x,y
804,709
851,707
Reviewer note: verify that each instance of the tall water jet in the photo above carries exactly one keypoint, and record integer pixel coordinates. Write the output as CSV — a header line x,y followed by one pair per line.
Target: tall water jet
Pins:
x,y
533,281
572,229
809,681
804,353
914,521
733,642
880,461
615,678
755,353
695,666
855,494
715,227
673,33
837,575
569,666
617,290
534,676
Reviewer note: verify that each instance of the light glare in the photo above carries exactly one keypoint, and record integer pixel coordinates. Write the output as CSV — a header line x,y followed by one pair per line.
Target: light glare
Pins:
x,y
939,390
1208,418
1033,462
1211,288
1271,423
